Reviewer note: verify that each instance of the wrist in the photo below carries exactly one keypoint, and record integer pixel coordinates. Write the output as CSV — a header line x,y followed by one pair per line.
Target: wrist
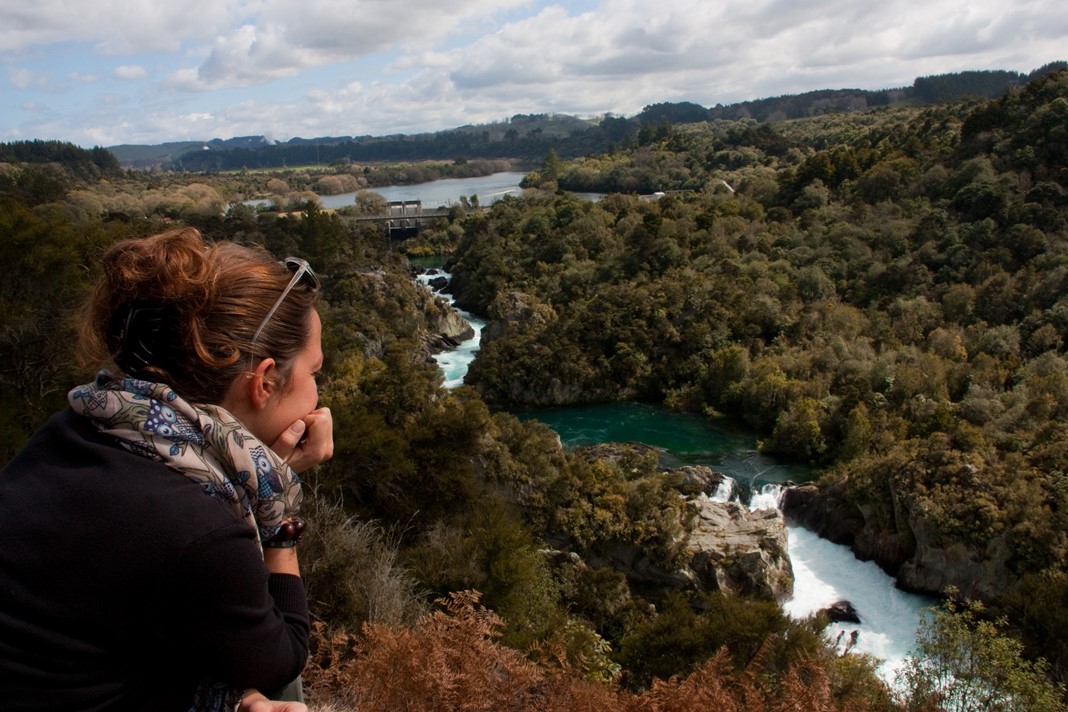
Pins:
x,y
288,534
282,561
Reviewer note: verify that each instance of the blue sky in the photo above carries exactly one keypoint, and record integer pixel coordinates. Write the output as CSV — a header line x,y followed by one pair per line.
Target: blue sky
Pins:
x,y
105,72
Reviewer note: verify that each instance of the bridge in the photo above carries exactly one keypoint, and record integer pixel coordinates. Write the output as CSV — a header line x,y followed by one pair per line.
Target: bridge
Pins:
x,y
404,218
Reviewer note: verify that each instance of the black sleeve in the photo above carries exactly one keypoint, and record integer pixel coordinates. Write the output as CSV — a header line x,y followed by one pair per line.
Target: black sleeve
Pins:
x,y
242,625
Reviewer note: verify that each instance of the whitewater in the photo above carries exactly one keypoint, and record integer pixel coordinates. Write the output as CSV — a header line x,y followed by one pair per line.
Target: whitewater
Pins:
x,y
824,572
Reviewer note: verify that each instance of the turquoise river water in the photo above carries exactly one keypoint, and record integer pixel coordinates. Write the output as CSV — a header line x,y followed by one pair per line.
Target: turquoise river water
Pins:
x,y
823,572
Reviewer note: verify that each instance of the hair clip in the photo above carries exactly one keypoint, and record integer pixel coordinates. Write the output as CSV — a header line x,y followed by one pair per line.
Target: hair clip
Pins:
x,y
141,335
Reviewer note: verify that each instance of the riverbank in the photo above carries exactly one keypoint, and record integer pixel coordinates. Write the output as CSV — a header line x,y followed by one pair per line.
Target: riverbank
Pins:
x,y
824,572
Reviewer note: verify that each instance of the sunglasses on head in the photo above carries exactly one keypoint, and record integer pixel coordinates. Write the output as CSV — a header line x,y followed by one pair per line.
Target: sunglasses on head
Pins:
x,y
301,271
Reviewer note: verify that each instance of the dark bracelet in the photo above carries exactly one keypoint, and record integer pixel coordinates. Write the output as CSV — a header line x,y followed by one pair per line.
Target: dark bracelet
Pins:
x,y
288,534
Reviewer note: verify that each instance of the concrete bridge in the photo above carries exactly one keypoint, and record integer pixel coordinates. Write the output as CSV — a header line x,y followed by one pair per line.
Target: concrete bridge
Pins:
x,y
404,218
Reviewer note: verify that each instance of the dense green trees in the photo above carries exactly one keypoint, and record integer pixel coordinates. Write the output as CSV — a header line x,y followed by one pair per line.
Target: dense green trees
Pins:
x,y
884,296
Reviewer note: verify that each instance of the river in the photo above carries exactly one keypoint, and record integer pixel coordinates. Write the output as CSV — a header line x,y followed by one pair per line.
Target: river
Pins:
x,y
446,191
824,572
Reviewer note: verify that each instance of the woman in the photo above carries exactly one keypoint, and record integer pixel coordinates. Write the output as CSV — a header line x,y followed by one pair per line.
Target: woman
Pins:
x,y
147,533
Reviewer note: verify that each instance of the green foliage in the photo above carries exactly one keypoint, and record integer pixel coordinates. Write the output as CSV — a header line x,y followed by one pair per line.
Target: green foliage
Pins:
x,y
82,163
966,663
798,432
949,87
41,293
1039,608
681,637
882,293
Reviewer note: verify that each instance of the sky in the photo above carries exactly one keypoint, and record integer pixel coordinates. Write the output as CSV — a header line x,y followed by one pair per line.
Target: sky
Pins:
x,y
108,72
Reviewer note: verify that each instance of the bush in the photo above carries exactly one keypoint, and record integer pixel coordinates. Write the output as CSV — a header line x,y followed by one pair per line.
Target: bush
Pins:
x,y
351,568
965,663
450,661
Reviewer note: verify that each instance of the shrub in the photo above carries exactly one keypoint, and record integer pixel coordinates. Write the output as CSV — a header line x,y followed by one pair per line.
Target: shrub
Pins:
x,y
450,661
351,568
966,663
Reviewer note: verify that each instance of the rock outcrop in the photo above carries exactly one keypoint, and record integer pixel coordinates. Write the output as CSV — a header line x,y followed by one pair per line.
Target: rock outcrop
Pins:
x,y
447,331
730,549
445,327
726,548
823,510
698,479
911,550
735,550
976,572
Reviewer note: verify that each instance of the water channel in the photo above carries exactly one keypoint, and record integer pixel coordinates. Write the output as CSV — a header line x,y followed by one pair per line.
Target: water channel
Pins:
x,y
823,572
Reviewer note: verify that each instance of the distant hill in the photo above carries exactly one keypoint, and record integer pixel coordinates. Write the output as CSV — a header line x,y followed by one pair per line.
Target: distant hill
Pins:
x,y
81,162
924,90
148,157
530,136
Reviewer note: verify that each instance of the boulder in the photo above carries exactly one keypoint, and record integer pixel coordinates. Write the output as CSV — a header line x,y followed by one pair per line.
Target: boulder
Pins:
x,y
699,479
841,612
734,550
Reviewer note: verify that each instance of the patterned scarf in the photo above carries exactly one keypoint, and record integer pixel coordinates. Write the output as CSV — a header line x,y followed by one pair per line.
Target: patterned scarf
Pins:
x,y
206,444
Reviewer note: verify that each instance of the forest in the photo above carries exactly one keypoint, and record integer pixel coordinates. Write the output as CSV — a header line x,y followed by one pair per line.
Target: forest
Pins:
x,y
879,293
527,137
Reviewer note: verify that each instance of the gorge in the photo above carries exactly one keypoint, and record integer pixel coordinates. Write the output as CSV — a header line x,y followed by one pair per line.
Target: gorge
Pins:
x,y
824,573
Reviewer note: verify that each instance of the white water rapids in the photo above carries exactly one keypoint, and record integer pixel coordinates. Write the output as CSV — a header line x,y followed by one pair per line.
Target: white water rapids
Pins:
x,y
824,572
454,363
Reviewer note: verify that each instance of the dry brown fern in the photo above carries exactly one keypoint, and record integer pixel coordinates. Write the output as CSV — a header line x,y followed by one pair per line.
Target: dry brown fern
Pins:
x,y
450,661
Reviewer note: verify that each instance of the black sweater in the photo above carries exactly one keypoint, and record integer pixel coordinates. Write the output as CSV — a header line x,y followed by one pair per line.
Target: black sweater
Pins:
x,y
122,584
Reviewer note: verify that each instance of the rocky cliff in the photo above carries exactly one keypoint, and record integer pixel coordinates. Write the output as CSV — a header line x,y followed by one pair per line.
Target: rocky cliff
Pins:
x,y
911,549
727,547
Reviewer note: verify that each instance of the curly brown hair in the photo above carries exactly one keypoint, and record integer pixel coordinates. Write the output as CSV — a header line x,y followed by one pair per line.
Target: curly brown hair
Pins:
x,y
208,300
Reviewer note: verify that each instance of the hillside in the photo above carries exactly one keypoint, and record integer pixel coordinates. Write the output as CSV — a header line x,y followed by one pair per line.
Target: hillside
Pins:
x,y
880,294
530,136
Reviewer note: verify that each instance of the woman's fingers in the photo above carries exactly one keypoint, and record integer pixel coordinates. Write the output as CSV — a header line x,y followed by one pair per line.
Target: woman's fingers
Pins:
x,y
314,443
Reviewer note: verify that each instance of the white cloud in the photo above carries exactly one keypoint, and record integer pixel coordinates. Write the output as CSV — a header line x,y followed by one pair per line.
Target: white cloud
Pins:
x,y
130,71
22,78
115,26
287,37
337,67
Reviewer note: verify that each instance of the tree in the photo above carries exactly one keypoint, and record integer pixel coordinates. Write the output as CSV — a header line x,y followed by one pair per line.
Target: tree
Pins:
x,y
550,167
965,663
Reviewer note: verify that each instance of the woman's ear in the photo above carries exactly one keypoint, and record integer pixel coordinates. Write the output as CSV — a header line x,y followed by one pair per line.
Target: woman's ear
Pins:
x,y
260,383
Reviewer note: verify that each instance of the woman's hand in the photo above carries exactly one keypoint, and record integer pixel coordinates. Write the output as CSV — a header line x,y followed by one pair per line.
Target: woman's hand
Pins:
x,y
308,441
255,702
